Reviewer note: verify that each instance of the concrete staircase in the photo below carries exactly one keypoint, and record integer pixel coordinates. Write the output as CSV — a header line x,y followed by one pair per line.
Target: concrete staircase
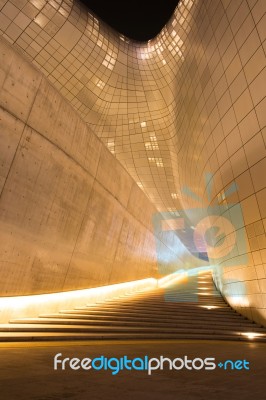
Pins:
x,y
192,309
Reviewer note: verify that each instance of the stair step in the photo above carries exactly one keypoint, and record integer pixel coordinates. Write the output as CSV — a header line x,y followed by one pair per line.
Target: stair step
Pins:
x,y
63,336
147,311
55,321
167,299
163,304
111,329
137,318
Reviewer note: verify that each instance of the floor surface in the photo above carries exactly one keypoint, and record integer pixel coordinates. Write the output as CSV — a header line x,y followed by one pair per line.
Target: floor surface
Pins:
x,y
26,372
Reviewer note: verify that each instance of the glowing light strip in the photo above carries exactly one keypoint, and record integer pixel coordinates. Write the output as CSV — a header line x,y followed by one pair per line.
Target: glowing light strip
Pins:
x,y
35,305
92,293
171,279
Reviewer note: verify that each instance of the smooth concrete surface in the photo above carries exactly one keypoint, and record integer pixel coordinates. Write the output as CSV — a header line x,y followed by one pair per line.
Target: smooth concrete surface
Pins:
x,y
26,372
71,216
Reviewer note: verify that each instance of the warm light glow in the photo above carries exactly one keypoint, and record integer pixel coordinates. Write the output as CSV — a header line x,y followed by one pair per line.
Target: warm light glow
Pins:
x,y
204,271
41,20
171,279
34,305
209,307
157,160
100,84
111,145
175,195
205,294
109,61
103,291
252,335
39,4
238,300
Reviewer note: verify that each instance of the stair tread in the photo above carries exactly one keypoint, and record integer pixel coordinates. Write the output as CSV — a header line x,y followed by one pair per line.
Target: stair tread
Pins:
x,y
242,325
141,317
36,336
103,328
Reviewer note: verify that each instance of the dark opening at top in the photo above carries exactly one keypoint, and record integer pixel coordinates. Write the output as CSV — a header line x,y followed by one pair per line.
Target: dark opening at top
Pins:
x,y
138,20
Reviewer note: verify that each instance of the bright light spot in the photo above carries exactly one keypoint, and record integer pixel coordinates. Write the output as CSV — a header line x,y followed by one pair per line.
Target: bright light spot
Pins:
x,y
238,300
100,84
143,124
205,294
158,161
111,145
251,335
110,59
153,144
175,195
41,20
188,4
99,43
38,3
63,12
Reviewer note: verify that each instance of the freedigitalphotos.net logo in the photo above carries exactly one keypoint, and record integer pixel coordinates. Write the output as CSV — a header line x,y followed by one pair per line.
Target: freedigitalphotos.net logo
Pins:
x,y
203,230
116,365
210,237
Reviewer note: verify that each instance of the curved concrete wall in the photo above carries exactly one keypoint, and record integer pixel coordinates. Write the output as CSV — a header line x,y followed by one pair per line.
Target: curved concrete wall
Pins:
x,y
189,102
71,216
